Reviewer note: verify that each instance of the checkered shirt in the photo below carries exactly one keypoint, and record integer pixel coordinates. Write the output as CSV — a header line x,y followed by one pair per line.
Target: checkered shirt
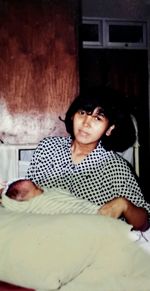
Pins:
x,y
100,177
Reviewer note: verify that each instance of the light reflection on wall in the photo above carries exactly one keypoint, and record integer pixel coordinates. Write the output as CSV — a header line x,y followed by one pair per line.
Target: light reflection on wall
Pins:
x,y
28,127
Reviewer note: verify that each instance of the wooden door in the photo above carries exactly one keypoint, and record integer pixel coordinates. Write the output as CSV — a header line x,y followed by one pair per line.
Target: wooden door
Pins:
x,y
38,67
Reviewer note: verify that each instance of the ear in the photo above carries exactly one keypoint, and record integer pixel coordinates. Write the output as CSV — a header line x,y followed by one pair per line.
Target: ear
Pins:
x,y
109,130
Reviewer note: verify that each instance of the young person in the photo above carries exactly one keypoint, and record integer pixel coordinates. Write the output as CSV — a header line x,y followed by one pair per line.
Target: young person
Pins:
x,y
86,163
25,196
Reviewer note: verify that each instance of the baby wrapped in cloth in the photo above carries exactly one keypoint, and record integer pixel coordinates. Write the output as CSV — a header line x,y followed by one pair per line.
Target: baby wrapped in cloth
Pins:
x,y
100,247
24,196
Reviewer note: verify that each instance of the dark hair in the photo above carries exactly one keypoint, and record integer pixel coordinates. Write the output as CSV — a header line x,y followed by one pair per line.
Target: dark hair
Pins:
x,y
114,107
15,188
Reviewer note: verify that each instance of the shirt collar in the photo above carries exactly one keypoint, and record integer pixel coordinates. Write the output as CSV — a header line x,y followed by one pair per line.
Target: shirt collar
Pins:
x,y
68,141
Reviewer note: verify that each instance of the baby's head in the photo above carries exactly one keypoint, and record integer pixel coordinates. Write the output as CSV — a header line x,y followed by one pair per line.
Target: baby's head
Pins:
x,y
23,190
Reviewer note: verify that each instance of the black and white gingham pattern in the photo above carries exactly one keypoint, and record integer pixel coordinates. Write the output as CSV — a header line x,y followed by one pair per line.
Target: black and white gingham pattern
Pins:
x,y
100,177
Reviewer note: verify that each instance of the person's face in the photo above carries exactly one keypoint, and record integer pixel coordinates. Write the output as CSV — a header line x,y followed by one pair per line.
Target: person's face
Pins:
x,y
88,128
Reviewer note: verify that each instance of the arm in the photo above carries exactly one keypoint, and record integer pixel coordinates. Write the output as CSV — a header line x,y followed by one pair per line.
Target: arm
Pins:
x,y
126,198
136,216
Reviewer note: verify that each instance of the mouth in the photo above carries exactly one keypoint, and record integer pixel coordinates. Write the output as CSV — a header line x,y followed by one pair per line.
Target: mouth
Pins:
x,y
83,133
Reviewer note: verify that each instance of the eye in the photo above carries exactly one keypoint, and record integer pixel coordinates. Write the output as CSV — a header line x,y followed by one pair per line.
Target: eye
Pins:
x,y
97,117
82,112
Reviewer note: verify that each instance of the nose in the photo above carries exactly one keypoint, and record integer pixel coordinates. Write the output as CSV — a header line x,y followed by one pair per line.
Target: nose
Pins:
x,y
87,120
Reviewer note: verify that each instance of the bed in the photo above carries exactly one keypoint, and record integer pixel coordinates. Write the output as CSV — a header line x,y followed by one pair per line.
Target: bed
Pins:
x,y
71,252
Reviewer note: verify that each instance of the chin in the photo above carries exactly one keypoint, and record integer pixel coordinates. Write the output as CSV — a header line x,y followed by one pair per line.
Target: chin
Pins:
x,y
84,141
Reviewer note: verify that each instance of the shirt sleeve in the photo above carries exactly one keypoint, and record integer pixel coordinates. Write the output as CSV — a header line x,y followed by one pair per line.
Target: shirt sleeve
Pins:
x,y
124,183
37,159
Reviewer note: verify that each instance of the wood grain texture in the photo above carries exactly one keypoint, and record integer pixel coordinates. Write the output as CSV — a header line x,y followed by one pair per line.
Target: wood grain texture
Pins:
x,y
38,59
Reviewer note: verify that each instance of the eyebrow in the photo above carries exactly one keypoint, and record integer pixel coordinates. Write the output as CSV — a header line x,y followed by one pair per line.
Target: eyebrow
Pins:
x,y
99,112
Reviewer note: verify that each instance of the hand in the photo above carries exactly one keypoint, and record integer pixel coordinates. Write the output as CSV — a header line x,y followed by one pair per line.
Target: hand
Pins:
x,y
114,208
1,190
2,185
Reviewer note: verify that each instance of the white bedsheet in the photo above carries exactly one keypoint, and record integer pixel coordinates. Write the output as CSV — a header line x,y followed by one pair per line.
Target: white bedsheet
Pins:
x,y
84,283
142,239
117,264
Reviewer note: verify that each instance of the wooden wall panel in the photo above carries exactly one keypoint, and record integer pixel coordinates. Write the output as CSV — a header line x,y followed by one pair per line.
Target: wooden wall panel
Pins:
x,y
38,67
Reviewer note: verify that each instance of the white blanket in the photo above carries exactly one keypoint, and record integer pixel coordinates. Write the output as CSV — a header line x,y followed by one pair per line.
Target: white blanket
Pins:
x,y
56,201
51,201
70,253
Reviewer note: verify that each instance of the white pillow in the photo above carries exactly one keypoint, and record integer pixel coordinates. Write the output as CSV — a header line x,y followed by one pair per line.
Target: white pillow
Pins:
x,y
45,252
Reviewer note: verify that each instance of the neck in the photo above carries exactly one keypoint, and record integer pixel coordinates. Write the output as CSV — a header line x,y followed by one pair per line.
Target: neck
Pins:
x,y
82,149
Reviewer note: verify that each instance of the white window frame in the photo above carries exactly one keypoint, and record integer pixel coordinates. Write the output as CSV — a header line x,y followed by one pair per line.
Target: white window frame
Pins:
x,y
108,43
99,24
103,33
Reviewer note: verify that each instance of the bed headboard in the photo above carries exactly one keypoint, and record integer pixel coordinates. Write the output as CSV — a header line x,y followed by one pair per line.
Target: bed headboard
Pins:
x,y
132,153
15,160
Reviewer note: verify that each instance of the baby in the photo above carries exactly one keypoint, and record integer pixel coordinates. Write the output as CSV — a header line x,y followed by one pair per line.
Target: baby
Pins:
x,y
25,196
22,190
